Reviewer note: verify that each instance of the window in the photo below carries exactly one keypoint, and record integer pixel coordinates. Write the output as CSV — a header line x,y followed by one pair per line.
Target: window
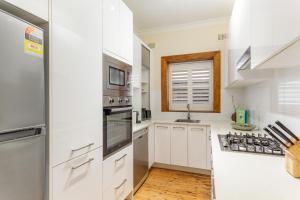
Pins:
x,y
191,79
191,83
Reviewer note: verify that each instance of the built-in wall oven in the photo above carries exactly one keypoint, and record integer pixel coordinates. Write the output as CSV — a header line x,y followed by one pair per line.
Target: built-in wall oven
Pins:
x,y
117,106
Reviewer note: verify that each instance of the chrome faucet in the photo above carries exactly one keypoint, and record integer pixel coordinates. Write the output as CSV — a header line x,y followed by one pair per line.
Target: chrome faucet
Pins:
x,y
189,111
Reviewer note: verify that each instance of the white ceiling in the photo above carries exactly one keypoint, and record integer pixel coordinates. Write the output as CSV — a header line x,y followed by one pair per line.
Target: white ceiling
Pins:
x,y
151,14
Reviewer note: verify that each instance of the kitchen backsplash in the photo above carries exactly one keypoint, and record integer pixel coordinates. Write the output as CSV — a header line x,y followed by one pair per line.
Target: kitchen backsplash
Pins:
x,y
276,99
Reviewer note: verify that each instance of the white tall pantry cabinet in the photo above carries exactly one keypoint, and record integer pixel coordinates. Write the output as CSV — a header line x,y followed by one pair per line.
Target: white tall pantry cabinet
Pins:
x,y
118,30
75,100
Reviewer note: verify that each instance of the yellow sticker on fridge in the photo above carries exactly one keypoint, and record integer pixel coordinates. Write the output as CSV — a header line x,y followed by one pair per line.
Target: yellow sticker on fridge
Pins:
x,y
33,43
32,47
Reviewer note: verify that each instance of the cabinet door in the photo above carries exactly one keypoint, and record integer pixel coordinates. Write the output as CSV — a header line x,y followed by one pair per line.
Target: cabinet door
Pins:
x,y
209,150
179,145
137,63
80,178
126,33
111,29
197,147
75,79
261,31
35,7
239,37
162,143
286,15
151,143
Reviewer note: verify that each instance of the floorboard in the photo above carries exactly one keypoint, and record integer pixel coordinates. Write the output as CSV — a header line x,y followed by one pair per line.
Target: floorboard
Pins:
x,y
163,184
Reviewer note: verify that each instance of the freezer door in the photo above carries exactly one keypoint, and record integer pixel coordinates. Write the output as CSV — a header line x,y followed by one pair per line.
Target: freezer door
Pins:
x,y
21,74
22,166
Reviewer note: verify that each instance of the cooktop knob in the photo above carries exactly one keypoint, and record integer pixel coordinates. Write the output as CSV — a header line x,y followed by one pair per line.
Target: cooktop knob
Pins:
x,y
126,100
120,100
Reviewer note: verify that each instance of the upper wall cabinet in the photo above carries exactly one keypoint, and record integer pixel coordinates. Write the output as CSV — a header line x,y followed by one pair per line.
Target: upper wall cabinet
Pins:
x,y
75,78
38,8
261,31
239,37
275,34
118,30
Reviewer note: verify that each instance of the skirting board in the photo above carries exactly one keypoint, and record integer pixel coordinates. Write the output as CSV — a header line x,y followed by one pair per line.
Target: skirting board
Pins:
x,y
184,169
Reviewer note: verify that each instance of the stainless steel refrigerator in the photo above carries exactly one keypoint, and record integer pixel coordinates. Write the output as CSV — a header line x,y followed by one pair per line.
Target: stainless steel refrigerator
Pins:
x,y
22,110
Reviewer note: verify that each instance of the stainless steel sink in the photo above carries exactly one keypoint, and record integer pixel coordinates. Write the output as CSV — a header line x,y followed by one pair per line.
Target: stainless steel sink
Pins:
x,y
187,121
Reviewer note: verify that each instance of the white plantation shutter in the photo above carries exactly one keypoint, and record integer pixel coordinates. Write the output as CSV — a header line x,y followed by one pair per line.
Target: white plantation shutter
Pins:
x,y
191,83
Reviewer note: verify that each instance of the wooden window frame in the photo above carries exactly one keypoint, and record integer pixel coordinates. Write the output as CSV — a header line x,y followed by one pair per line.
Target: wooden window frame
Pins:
x,y
214,56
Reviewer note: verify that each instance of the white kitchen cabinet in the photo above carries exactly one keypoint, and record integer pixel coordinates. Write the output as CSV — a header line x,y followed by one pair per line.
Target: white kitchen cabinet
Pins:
x,y
151,145
118,175
179,145
79,178
126,32
111,28
286,17
137,63
197,147
75,79
118,30
209,149
239,37
38,8
261,31
162,143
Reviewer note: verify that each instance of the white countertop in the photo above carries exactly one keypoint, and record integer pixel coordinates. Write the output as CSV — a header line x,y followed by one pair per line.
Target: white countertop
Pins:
x,y
145,124
244,176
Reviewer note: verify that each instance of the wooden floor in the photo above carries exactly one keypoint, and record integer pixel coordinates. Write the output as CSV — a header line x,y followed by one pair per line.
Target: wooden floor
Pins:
x,y
165,184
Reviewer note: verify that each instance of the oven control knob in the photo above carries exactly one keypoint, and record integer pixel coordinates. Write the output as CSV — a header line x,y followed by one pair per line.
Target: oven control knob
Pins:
x,y
120,100
111,100
126,100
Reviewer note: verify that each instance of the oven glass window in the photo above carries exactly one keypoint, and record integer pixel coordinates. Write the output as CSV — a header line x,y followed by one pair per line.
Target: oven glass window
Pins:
x,y
118,128
116,76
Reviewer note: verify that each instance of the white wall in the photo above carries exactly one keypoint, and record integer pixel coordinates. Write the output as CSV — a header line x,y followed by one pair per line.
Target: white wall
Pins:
x,y
192,40
276,99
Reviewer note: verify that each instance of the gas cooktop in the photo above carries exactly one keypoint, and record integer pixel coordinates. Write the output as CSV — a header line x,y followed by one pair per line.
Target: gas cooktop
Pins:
x,y
250,143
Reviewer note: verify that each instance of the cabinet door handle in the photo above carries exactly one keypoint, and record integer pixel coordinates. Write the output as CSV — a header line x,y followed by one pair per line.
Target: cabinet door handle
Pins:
x,y
162,127
118,187
86,162
117,160
197,129
80,148
179,127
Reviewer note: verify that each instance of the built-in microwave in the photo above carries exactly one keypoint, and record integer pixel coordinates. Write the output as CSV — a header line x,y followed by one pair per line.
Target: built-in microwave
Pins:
x,y
116,75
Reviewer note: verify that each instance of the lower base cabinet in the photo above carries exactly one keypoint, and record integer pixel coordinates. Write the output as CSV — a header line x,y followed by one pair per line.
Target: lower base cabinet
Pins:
x,y
163,143
183,145
79,178
179,145
197,147
118,175
151,145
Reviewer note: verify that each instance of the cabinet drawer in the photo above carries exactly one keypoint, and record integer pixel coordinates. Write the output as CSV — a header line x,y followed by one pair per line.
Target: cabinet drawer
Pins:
x,y
117,168
119,189
79,178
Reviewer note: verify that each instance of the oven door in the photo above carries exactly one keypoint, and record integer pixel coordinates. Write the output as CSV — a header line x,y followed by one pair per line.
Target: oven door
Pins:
x,y
117,129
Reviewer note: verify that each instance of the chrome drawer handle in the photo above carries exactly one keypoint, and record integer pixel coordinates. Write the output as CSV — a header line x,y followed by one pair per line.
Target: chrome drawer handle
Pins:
x,y
87,162
118,187
178,127
197,129
162,127
91,144
117,160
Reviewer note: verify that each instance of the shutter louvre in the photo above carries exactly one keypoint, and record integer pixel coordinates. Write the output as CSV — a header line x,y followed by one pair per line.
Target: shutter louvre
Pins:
x,y
190,83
